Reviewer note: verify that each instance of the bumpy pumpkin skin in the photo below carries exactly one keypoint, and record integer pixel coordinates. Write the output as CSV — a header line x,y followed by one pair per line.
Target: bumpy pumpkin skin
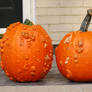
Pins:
x,y
26,52
74,56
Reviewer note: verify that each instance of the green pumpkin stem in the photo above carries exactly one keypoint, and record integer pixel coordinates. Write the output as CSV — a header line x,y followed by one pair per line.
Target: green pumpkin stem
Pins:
x,y
1,35
28,22
86,21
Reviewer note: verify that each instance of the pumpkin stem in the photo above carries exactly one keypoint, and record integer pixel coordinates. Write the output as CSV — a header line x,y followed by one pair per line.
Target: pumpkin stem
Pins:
x,y
28,22
1,35
86,21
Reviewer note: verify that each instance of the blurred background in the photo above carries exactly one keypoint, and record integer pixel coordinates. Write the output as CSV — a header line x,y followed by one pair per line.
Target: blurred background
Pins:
x,y
59,17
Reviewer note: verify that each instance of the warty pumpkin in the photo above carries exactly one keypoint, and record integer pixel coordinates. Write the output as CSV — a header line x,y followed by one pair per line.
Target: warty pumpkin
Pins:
x,y
74,53
26,52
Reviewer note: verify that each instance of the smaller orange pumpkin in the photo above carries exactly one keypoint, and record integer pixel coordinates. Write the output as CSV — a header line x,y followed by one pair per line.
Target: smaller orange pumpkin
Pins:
x,y
74,53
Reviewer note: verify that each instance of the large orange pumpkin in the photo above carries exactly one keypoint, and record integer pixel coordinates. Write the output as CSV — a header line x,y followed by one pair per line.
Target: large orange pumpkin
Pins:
x,y
26,52
74,53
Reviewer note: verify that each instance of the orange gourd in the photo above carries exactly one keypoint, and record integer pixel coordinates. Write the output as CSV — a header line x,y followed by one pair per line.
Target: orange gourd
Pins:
x,y
74,53
26,52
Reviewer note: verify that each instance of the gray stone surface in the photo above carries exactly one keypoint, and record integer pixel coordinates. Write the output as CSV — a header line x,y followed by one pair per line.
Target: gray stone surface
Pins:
x,y
53,78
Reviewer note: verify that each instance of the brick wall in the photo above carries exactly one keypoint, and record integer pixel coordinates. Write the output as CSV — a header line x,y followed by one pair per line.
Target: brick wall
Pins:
x,y
59,17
